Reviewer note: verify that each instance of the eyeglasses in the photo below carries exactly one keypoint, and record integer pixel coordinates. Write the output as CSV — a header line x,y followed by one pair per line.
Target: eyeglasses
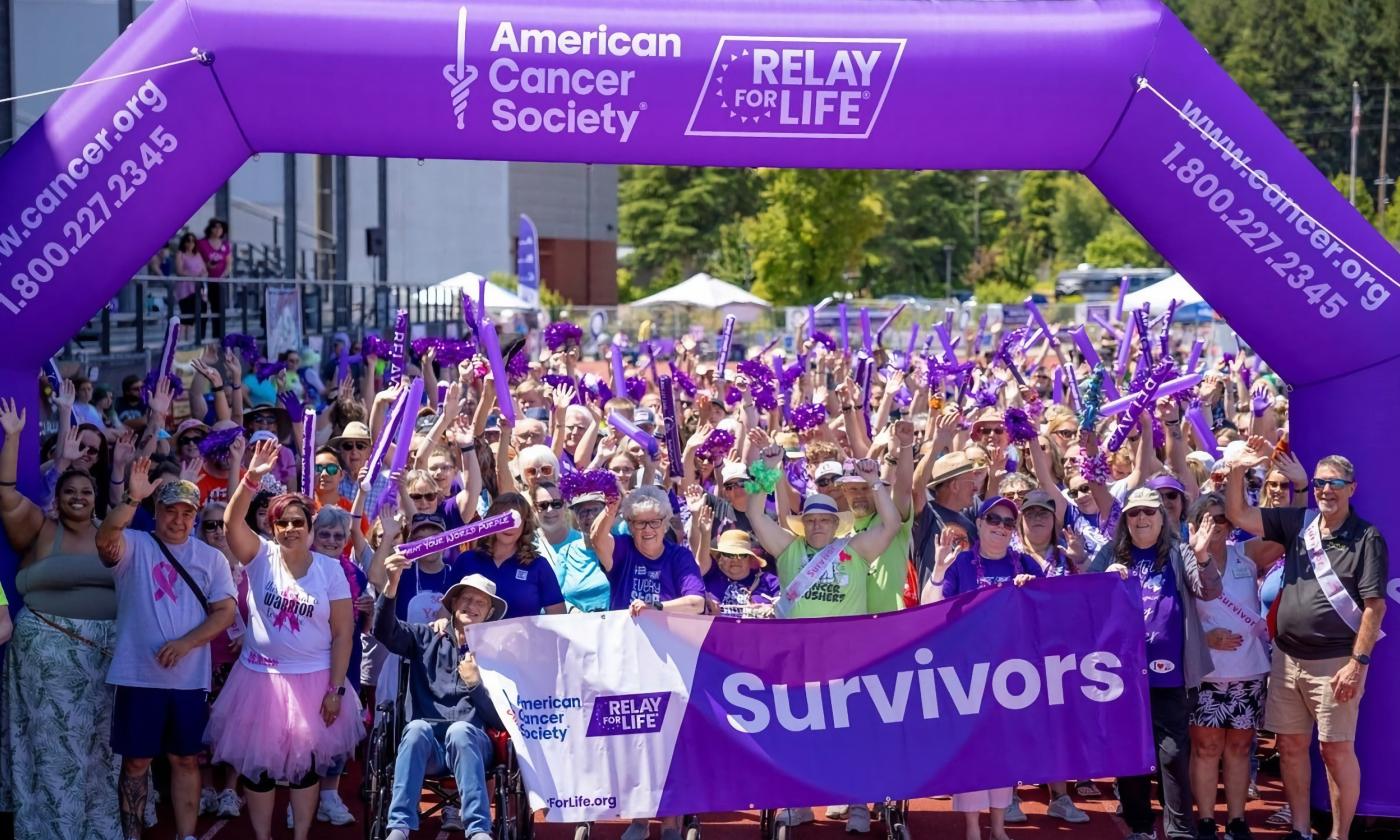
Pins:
x,y
1064,434
646,524
328,469
88,450
545,470
190,441
1076,492
733,485
354,445
826,481
290,524
1334,483
550,504
1000,521
990,430
1169,495
1277,485
212,524
423,497
331,536
1137,512
1016,495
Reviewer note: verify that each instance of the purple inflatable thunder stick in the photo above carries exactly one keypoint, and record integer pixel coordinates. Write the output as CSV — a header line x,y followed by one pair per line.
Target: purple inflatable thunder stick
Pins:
x,y
1116,89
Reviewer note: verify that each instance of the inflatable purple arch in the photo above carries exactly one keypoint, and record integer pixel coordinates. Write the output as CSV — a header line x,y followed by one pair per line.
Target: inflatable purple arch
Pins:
x,y
1117,89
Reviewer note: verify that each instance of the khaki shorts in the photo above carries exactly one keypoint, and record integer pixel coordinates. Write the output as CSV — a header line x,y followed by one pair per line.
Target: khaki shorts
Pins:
x,y
1300,694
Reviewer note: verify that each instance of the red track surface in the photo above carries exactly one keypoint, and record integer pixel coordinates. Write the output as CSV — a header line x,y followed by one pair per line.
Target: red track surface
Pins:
x,y
931,818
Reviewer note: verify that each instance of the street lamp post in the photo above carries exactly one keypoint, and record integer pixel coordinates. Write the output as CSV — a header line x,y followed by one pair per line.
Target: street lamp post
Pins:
x,y
948,270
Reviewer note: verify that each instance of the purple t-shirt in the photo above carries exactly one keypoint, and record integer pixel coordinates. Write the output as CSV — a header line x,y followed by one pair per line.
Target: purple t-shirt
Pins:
x,y
527,590
963,575
1166,625
635,577
759,587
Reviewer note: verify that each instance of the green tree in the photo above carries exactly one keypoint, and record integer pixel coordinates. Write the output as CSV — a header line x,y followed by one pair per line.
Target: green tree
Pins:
x,y
926,211
672,216
1119,245
1081,213
1365,203
811,232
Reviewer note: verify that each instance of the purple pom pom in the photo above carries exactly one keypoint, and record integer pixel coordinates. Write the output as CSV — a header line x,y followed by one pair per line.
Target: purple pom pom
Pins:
x,y
636,388
575,484
733,396
518,368
561,334
686,384
246,345
756,370
557,380
985,397
219,441
808,416
1019,427
791,374
267,371
148,386
718,443
373,345
765,399
824,340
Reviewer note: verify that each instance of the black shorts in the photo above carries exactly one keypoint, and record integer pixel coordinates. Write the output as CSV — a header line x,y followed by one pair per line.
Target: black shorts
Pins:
x,y
147,722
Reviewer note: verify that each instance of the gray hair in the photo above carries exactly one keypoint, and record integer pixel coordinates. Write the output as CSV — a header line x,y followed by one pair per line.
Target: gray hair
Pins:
x,y
1340,464
332,515
1014,481
645,500
537,456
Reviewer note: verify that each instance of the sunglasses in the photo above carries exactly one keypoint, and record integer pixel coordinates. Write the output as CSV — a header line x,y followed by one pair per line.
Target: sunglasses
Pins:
x,y
729,556
212,524
1218,518
1277,485
1002,521
423,497
354,444
546,470
551,504
1334,483
1064,434
826,481
990,430
735,485
1076,492
328,469
1016,495
329,536
264,419
190,441
1169,495
1136,512
290,524
88,450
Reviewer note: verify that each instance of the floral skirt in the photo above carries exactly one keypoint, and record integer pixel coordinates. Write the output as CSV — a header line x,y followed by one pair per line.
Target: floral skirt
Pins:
x,y
57,771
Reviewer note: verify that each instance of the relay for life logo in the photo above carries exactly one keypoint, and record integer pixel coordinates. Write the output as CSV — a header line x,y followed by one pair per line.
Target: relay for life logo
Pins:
x,y
796,87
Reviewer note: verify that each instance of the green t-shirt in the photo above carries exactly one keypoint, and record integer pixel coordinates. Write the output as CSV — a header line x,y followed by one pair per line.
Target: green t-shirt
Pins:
x,y
841,591
891,569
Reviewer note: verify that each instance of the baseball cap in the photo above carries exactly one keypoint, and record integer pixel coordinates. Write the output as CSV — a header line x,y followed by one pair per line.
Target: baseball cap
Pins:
x,y
997,501
1166,482
832,469
431,520
179,492
1143,497
1039,498
644,417
733,471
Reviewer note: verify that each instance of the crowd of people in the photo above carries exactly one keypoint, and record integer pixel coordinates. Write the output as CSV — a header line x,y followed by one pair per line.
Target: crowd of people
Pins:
x,y
189,593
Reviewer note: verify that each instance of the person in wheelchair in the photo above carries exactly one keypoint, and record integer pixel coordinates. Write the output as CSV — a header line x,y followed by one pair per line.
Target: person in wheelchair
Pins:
x,y
450,708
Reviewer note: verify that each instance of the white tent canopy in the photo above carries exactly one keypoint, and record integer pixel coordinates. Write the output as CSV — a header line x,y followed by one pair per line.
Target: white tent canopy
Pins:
x,y
708,292
449,292
1160,295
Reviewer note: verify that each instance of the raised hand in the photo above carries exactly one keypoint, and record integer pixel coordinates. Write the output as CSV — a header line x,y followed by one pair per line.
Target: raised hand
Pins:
x,y
452,403
190,470
1288,464
904,433
868,469
124,452
946,551
12,418
67,394
160,400
237,448
705,517
1258,451
1201,537
395,563
216,380
71,448
139,486
563,397
264,458
759,439
1260,399
234,365
694,498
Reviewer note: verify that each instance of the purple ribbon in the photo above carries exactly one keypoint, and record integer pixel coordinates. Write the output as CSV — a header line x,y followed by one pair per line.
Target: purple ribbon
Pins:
x,y
418,549
635,432
164,576
492,345
726,340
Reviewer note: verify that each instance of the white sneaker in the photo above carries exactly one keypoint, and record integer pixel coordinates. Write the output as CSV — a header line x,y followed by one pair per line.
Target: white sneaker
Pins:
x,y
637,830
332,810
837,812
859,820
152,800
1014,814
208,801
791,816
290,821
452,819
1063,808
228,804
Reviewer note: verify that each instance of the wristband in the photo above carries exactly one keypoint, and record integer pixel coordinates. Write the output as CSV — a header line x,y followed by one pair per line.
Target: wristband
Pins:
x,y
471,448
251,485
338,691
846,408
658,606
9,484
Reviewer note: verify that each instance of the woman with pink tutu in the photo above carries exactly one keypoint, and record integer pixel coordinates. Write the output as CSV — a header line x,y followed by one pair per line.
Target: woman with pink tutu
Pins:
x,y
285,712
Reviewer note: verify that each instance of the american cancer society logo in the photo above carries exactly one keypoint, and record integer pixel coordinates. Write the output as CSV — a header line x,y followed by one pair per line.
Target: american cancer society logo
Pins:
x,y
461,74
796,87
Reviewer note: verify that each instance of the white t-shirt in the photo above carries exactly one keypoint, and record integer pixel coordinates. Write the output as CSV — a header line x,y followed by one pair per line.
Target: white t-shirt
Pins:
x,y
155,606
289,618
1251,659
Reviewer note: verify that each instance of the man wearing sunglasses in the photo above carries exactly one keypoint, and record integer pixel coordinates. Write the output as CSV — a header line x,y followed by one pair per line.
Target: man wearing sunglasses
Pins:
x,y
1327,619
353,445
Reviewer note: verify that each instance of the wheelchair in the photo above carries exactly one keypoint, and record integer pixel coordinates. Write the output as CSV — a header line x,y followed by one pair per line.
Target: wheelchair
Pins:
x,y
894,813
511,815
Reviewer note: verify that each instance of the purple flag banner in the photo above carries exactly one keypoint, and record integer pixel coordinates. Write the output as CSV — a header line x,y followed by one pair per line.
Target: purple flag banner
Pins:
x,y
939,699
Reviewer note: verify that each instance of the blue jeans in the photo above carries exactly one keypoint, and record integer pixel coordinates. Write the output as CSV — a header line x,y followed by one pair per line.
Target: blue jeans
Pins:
x,y
463,752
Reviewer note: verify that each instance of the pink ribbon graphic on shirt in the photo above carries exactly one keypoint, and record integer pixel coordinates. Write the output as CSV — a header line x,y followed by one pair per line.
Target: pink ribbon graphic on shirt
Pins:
x,y
165,576
286,614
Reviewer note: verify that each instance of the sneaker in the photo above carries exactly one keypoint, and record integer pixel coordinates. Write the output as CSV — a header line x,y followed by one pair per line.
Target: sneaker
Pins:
x,y
790,817
1014,814
332,810
1205,830
289,816
208,801
480,835
152,800
1253,791
228,804
638,830
1087,788
1238,829
1295,834
451,819
1063,808
858,821
838,812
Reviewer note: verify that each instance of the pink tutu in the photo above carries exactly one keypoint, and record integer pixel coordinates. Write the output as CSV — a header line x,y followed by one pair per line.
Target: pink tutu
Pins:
x,y
271,724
